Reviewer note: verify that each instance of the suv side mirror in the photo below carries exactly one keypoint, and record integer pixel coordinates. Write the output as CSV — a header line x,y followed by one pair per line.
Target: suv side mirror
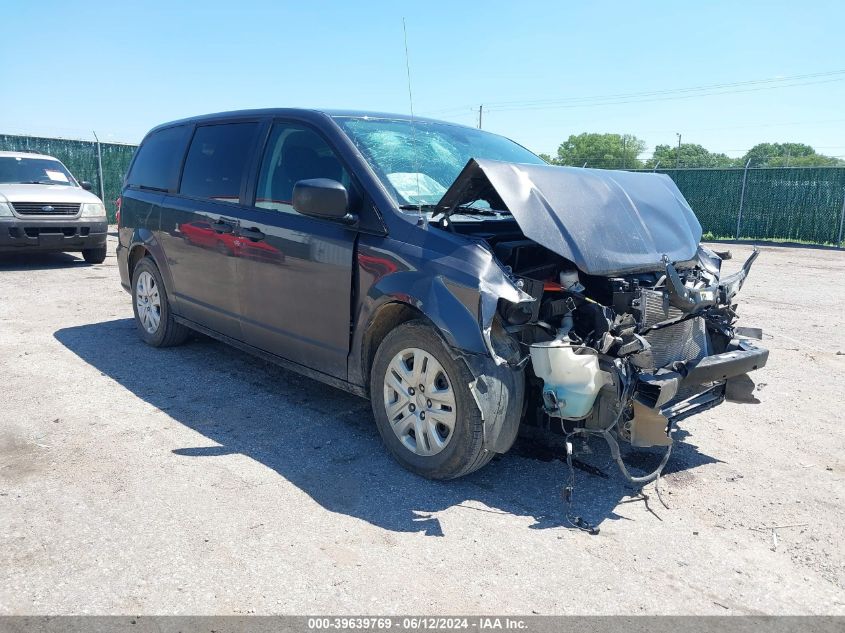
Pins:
x,y
86,185
322,198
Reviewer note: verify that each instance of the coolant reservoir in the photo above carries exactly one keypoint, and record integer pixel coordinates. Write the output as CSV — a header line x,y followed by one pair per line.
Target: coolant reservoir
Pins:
x,y
570,280
572,380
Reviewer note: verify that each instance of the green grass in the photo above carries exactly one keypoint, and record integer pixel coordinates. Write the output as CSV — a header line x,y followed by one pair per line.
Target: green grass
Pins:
x,y
711,237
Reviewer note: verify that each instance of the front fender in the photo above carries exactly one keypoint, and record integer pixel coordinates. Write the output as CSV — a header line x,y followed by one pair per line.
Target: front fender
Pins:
x,y
450,306
455,285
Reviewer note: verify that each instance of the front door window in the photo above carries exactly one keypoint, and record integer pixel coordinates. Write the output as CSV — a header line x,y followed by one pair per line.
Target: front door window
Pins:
x,y
294,153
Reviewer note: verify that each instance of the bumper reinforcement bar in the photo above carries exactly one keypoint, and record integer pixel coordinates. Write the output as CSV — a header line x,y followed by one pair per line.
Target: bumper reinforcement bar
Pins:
x,y
657,389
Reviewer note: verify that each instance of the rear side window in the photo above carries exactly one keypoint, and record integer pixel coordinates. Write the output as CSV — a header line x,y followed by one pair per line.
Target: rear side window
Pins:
x,y
216,161
156,165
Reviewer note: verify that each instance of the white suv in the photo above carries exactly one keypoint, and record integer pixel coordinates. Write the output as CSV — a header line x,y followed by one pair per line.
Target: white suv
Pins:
x,y
44,208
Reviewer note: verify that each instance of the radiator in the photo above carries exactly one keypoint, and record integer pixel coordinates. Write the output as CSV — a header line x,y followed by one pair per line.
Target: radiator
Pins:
x,y
687,340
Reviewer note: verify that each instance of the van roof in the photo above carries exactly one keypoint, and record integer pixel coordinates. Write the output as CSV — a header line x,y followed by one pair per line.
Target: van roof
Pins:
x,y
312,113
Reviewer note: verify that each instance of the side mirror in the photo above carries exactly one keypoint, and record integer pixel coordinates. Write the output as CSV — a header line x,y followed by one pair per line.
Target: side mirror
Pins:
x,y
322,198
86,185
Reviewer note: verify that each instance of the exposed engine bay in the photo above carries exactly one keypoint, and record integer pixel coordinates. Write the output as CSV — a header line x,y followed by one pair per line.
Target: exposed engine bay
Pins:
x,y
634,353
623,343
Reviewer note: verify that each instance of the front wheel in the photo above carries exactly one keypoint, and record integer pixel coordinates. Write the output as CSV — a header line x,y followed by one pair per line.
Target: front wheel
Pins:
x,y
423,407
94,255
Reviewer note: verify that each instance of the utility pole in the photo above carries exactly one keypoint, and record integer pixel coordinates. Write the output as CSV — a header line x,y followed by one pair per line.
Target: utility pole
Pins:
x,y
678,155
624,157
480,113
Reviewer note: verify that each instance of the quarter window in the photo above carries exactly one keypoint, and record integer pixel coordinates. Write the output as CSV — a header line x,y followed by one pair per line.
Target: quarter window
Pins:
x,y
156,164
216,161
294,153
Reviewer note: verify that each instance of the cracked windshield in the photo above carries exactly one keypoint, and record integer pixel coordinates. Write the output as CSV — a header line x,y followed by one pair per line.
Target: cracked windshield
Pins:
x,y
418,161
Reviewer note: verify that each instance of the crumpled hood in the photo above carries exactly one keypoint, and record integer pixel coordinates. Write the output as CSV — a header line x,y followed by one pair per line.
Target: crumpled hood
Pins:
x,y
45,193
606,222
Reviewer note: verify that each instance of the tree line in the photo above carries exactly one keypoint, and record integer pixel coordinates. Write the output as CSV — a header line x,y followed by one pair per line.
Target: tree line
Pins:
x,y
623,151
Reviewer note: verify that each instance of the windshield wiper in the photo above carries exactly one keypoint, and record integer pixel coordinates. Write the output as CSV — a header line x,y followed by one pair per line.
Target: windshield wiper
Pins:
x,y
466,210
39,182
459,210
417,207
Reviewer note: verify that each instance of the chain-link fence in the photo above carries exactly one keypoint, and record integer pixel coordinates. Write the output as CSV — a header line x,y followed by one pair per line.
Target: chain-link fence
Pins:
x,y
800,204
80,157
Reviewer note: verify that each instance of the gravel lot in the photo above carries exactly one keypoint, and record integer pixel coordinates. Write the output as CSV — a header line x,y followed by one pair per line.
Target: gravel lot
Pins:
x,y
201,480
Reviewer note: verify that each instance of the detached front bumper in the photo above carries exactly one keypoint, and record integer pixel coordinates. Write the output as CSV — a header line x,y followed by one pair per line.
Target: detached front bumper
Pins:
x,y
742,357
668,390
52,235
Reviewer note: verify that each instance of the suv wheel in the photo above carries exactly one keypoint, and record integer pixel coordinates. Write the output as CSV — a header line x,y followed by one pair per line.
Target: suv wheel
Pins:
x,y
424,411
94,255
152,310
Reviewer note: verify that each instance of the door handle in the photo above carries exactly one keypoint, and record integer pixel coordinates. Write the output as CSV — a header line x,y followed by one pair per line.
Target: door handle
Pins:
x,y
252,234
222,226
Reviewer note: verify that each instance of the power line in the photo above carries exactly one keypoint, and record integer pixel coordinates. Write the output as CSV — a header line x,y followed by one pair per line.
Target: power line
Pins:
x,y
632,97
745,126
706,87
662,98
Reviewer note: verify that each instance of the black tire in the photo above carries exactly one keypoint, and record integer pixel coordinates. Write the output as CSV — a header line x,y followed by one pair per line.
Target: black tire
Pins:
x,y
465,450
169,333
94,255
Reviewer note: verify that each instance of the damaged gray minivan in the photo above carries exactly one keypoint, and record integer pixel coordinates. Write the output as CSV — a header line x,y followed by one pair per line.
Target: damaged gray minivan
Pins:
x,y
450,275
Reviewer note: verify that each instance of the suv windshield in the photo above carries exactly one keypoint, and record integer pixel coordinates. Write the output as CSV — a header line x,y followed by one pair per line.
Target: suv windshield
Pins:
x,y
418,163
40,171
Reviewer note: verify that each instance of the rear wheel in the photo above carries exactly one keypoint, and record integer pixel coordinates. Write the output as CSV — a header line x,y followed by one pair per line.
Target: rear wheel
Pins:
x,y
94,255
153,315
424,410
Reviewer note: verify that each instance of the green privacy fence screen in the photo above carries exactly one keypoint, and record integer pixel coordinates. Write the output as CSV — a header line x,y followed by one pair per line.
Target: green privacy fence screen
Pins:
x,y
80,157
804,204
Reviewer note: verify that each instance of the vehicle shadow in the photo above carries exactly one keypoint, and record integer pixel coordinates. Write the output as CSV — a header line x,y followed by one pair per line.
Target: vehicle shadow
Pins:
x,y
324,440
39,261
